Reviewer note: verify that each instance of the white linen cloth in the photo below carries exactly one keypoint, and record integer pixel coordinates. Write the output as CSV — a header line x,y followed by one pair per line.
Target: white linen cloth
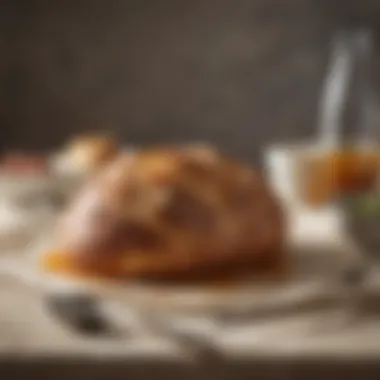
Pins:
x,y
195,311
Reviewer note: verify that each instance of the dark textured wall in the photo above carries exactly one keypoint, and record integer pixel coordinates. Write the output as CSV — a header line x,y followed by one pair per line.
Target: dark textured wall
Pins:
x,y
240,73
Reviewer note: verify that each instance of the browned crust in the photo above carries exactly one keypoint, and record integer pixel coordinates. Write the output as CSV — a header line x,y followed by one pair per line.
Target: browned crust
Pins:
x,y
169,212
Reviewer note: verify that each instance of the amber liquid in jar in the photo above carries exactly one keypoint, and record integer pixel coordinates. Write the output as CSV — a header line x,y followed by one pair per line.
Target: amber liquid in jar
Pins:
x,y
337,173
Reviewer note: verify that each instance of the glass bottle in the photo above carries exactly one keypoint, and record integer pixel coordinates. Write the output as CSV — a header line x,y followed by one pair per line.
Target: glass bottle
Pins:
x,y
348,158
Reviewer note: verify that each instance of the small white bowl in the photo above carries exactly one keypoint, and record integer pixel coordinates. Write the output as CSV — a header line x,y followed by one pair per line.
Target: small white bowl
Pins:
x,y
25,208
308,225
283,163
13,185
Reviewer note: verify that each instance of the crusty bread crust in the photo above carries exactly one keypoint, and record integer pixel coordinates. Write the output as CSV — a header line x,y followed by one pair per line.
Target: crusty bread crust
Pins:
x,y
168,212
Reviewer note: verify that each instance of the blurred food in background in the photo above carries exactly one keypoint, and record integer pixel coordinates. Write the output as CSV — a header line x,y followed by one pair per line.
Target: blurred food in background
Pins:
x,y
85,155
15,163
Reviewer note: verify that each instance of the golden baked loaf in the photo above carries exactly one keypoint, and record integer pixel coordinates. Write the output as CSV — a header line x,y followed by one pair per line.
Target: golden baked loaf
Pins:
x,y
168,212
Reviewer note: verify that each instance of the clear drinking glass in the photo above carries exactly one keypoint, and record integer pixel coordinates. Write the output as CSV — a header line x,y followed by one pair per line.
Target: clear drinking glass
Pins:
x,y
349,159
